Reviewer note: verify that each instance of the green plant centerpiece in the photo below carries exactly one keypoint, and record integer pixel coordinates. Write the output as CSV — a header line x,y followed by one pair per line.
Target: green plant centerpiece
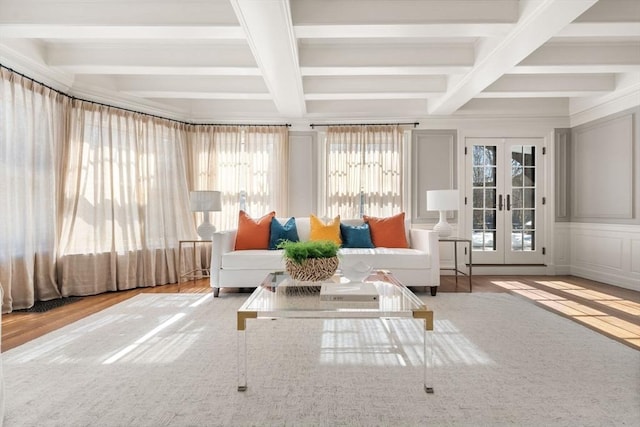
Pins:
x,y
310,261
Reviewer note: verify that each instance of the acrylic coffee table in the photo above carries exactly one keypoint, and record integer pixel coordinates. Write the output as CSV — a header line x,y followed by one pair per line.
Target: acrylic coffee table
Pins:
x,y
280,297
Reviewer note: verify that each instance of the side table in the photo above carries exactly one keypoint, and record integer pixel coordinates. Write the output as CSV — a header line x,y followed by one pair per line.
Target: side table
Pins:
x,y
194,273
455,241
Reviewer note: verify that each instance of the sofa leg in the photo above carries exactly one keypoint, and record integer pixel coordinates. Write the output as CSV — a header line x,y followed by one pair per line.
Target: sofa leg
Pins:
x,y
216,292
434,291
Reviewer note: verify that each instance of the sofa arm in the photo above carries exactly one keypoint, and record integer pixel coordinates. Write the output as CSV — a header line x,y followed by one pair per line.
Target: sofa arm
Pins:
x,y
221,243
427,241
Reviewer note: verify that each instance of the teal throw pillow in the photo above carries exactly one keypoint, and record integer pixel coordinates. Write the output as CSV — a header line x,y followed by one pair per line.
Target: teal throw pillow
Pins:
x,y
280,232
356,236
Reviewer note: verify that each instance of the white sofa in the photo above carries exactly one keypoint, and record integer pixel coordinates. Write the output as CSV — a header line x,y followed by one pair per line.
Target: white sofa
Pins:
x,y
418,265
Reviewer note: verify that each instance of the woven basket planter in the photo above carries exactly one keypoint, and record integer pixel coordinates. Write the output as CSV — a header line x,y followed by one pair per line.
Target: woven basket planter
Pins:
x,y
312,269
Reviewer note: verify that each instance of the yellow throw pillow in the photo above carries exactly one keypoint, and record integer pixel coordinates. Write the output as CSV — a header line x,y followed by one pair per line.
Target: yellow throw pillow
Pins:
x,y
322,231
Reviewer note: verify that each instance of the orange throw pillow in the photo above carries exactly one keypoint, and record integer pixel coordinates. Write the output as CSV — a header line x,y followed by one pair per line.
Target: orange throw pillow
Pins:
x,y
388,232
322,231
253,233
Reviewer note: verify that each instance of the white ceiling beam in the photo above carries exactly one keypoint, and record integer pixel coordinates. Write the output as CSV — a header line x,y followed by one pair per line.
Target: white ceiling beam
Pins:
x,y
162,33
269,31
401,31
540,21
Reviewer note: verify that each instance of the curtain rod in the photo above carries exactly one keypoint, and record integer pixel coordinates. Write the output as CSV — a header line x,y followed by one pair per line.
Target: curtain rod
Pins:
x,y
314,125
129,110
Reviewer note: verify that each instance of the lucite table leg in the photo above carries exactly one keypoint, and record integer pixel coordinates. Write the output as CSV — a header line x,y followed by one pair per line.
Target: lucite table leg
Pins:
x,y
428,361
242,360
427,350
242,317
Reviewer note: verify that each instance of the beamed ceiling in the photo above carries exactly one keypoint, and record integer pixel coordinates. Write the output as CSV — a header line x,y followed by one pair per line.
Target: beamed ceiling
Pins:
x,y
329,60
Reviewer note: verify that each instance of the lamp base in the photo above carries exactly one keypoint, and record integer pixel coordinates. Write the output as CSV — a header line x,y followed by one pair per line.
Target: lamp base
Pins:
x,y
442,227
206,229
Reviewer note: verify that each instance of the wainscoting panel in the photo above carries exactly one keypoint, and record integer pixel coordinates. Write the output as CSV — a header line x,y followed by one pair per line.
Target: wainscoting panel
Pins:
x,y
635,256
603,173
562,248
606,253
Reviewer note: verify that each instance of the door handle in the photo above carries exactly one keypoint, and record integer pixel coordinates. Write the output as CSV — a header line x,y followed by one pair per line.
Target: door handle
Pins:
x,y
508,202
500,202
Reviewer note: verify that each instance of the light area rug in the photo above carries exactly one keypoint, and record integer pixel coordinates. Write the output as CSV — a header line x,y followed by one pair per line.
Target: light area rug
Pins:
x,y
170,360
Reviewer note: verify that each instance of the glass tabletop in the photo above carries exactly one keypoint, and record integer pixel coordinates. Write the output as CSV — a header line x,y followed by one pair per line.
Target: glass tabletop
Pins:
x,y
279,296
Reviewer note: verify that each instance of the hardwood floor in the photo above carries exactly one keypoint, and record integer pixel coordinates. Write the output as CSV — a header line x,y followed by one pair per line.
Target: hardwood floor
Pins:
x,y
609,310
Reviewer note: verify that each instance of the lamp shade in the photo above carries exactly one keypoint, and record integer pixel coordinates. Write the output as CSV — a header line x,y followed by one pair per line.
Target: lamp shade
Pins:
x,y
442,200
205,201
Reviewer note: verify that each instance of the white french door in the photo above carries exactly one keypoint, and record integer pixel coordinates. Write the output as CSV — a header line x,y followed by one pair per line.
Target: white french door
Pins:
x,y
505,200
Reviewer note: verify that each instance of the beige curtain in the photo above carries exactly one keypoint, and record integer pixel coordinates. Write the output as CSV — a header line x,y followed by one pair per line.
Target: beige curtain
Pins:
x,y
32,135
97,198
240,160
364,170
126,201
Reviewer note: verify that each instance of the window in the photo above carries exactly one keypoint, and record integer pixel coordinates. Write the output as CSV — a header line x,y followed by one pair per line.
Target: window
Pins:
x,y
363,171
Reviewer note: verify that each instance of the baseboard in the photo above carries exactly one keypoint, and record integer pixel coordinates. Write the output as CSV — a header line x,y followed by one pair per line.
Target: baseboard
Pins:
x,y
609,278
510,270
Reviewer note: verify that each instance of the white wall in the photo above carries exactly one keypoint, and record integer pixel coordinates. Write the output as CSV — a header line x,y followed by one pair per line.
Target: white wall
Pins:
x,y
603,251
601,241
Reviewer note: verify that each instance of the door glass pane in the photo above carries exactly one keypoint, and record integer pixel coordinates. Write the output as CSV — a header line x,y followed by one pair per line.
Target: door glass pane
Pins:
x,y
490,176
529,219
484,197
529,177
529,155
490,220
523,193
490,197
478,219
528,242
478,176
516,176
490,155
477,198
516,198
516,240
529,198
516,219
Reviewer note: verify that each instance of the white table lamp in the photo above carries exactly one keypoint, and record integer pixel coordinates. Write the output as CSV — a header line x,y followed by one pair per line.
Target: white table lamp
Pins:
x,y
443,201
205,201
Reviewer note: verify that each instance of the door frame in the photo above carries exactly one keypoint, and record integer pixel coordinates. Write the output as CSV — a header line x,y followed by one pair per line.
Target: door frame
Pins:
x,y
503,255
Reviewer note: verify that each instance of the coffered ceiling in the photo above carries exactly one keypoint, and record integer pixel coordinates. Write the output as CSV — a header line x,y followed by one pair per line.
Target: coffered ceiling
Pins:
x,y
329,60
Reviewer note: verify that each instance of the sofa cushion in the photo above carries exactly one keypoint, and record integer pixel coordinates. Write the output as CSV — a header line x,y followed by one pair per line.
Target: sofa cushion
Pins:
x,y
280,232
254,260
356,236
388,232
325,231
253,233
387,258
